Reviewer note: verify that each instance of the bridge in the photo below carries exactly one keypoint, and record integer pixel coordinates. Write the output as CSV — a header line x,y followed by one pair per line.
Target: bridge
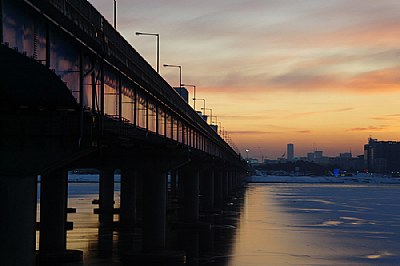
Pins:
x,y
75,94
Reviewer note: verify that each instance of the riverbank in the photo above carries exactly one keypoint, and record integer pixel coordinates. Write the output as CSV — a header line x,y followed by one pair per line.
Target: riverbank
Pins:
x,y
356,179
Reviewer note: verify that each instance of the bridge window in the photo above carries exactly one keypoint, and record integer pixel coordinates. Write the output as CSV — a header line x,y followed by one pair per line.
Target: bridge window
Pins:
x,y
190,137
152,115
175,129
111,94
64,59
128,102
161,119
23,32
169,126
141,110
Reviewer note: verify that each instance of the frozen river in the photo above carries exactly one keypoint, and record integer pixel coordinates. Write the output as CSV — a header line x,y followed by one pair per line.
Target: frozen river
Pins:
x,y
319,224
276,224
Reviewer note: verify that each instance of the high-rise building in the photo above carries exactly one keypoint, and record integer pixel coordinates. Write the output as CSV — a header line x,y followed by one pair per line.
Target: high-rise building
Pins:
x,y
382,156
290,152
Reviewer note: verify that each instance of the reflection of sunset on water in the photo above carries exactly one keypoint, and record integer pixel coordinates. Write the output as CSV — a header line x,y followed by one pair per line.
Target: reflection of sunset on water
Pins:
x,y
318,225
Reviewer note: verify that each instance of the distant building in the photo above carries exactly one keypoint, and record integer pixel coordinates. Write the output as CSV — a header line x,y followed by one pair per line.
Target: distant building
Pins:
x,y
290,152
382,156
318,154
345,155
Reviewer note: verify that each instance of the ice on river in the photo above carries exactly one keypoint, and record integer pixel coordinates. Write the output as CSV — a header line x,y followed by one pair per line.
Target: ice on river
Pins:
x,y
319,224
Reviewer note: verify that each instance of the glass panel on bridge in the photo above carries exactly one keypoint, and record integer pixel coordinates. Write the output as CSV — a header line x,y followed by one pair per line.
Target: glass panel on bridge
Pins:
x,y
152,115
111,94
128,102
141,110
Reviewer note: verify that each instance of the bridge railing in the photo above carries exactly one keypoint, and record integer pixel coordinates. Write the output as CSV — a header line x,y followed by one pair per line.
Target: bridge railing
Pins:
x,y
105,40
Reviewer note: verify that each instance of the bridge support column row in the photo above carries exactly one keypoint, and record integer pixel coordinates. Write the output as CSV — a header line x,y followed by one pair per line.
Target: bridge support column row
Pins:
x,y
190,179
208,189
53,218
218,189
106,199
18,222
154,210
127,215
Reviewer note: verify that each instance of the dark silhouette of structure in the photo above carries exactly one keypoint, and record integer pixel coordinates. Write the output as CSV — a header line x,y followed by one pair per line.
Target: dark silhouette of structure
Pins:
x,y
382,156
75,94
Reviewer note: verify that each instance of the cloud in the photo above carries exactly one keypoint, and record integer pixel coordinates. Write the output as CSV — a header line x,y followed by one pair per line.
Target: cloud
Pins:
x,y
304,131
386,117
297,115
252,132
368,129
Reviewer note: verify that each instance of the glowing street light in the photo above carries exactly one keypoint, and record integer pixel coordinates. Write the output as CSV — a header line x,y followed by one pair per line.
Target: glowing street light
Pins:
x,y
247,155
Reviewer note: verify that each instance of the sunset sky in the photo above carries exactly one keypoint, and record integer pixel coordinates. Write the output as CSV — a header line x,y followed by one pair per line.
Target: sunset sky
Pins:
x,y
324,75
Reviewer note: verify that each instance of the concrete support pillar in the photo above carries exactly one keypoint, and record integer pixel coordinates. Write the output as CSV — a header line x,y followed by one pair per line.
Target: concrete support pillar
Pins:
x,y
237,179
190,179
174,174
218,194
208,189
106,198
127,215
230,182
18,220
225,186
154,209
53,215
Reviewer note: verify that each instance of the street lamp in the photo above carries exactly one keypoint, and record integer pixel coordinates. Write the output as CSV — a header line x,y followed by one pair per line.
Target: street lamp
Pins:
x,y
115,14
194,94
211,116
247,155
158,46
180,72
204,103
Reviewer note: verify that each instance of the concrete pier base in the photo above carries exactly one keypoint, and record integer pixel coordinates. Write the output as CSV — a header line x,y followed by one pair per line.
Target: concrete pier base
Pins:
x,y
174,175
53,217
208,189
127,216
154,210
190,179
225,185
18,222
106,198
218,191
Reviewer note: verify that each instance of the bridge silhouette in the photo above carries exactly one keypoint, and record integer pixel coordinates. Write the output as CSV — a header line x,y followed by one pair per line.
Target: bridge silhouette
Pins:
x,y
75,94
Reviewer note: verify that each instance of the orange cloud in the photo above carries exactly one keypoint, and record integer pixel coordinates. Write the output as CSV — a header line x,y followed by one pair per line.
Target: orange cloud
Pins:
x,y
387,117
368,129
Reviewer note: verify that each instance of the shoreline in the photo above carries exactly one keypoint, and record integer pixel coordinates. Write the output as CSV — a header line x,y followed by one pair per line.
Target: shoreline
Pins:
x,y
323,179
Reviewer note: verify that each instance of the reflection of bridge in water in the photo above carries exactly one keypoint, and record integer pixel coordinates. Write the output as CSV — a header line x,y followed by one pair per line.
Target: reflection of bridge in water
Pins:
x,y
75,94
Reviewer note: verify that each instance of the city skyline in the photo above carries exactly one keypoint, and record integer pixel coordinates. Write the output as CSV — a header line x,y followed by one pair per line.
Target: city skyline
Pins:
x,y
320,74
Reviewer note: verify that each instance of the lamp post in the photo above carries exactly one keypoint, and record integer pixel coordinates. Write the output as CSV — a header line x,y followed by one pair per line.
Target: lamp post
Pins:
x,y
180,72
115,14
158,46
194,94
220,127
204,103
247,156
211,116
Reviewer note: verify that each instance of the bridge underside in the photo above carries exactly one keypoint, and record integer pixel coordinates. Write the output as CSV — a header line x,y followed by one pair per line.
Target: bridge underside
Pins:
x,y
27,84
115,112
